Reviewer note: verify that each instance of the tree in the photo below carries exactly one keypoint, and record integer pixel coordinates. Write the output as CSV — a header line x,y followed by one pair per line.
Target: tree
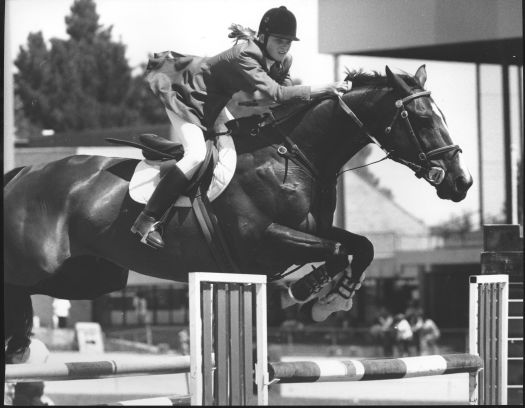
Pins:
x,y
456,225
32,79
82,82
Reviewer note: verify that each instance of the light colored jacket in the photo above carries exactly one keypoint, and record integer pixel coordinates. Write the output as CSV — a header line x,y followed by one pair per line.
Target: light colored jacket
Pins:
x,y
198,88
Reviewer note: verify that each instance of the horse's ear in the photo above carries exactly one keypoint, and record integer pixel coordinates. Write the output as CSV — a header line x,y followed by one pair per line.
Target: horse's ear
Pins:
x,y
396,81
421,75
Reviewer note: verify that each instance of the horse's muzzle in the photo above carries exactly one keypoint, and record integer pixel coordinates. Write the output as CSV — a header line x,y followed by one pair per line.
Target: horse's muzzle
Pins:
x,y
463,183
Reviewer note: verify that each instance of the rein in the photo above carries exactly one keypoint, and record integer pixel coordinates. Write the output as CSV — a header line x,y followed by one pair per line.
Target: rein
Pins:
x,y
432,174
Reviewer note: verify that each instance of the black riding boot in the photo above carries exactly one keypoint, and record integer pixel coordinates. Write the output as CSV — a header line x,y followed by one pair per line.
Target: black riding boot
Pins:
x,y
170,187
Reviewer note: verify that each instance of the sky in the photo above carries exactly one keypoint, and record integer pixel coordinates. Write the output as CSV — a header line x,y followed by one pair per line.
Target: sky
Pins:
x,y
200,27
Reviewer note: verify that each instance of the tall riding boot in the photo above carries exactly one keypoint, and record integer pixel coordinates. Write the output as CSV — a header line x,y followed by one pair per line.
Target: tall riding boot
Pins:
x,y
170,187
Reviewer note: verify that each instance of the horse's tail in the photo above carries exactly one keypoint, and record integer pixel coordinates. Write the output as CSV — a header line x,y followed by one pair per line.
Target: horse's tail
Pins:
x,y
10,175
18,320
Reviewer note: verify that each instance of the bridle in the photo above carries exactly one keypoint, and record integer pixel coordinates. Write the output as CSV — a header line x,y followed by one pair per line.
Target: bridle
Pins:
x,y
433,174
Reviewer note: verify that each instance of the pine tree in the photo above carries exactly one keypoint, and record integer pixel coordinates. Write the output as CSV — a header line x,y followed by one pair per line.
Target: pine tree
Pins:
x,y
84,82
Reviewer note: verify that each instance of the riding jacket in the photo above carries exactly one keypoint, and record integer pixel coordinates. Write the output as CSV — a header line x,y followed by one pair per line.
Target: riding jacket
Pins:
x,y
198,88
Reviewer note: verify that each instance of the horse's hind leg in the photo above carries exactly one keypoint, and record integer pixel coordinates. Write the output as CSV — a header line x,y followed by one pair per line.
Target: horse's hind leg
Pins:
x,y
18,320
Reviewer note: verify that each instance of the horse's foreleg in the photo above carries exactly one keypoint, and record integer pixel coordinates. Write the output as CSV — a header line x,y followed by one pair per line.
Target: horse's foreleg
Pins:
x,y
340,297
362,252
301,246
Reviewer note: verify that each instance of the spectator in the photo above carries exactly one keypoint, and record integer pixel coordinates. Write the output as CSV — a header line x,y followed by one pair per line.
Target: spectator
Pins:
x,y
403,333
429,335
30,394
416,321
381,331
18,394
60,313
183,342
141,309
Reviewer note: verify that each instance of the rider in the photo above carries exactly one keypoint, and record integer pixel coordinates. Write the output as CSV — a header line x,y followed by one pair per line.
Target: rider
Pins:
x,y
195,91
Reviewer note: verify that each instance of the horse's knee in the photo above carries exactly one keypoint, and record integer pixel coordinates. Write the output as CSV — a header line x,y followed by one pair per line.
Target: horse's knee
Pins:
x,y
368,249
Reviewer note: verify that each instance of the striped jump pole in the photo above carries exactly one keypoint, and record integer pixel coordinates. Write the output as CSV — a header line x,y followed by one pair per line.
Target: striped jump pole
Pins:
x,y
330,370
174,400
221,331
86,370
488,334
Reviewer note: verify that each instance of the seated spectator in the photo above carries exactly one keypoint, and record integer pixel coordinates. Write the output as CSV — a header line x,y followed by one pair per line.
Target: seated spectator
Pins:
x,y
429,334
21,393
30,394
403,335
416,321
382,331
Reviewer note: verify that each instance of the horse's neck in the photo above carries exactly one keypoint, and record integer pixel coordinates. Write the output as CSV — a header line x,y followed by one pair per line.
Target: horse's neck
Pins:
x,y
327,137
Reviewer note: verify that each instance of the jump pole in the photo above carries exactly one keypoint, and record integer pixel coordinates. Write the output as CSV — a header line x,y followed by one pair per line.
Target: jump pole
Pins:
x,y
174,400
221,338
85,370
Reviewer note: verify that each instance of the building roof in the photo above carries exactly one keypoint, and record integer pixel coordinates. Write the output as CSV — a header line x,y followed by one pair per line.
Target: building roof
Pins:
x,y
367,209
483,31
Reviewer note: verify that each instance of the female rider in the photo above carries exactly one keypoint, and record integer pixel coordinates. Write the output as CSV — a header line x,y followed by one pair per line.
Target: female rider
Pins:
x,y
195,91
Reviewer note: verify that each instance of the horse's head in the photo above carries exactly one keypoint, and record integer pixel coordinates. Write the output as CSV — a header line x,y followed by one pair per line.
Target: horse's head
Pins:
x,y
414,132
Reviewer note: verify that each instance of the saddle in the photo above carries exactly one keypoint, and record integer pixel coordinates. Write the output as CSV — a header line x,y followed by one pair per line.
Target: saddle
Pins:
x,y
156,148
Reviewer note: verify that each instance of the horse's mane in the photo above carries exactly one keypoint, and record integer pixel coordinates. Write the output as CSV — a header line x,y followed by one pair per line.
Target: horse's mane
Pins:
x,y
305,118
374,79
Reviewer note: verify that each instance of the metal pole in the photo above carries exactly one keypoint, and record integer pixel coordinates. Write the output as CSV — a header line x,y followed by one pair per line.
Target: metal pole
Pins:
x,y
520,141
480,143
507,143
339,216
9,112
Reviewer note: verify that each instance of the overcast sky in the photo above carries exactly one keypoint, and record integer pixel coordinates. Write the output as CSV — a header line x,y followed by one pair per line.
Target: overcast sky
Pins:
x,y
200,27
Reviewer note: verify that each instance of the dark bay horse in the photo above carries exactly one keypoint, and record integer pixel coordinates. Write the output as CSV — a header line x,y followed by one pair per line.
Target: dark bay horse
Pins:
x,y
67,223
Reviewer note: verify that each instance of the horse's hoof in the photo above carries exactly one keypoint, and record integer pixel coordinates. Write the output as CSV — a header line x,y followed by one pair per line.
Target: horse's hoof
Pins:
x,y
321,311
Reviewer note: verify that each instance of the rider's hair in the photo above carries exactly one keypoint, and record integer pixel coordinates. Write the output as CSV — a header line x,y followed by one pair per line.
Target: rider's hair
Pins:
x,y
239,32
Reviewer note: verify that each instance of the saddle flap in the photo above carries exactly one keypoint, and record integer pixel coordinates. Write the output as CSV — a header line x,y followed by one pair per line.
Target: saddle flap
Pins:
x,y
161,151
173,149
147,174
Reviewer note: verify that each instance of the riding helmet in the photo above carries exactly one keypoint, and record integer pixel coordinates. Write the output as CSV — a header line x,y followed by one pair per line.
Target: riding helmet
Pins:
x,y
279,21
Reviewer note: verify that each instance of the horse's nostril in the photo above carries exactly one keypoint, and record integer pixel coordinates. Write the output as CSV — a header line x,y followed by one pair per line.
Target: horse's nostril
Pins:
x,y
463,184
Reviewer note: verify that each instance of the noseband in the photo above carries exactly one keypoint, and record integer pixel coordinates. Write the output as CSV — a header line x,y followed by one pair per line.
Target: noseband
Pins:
x,y
424,168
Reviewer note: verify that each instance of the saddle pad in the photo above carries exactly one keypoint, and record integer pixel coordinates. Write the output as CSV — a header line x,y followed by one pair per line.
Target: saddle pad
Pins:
x,y
146,175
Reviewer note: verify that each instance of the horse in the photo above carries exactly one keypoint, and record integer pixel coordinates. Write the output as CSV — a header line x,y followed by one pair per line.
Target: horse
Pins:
x,y
67,222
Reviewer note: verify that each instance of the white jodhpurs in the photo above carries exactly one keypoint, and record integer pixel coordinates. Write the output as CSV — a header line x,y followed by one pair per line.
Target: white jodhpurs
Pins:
x,y
192,139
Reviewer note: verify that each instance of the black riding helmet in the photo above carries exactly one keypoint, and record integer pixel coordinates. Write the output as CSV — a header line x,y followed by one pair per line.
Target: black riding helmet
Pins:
x,y
278,21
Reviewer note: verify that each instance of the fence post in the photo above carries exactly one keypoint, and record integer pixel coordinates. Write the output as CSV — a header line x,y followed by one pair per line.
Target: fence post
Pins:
x,y
221,338
488,334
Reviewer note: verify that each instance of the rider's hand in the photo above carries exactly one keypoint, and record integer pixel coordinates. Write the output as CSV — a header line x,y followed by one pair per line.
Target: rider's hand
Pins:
x,y
343,87
336,88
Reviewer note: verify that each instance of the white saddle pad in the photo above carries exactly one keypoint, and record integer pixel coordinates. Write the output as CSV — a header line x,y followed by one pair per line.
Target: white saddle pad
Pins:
x,y
147,175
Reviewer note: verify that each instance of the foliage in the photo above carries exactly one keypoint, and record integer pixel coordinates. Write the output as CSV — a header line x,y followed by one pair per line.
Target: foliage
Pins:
x,y
455,225
84,81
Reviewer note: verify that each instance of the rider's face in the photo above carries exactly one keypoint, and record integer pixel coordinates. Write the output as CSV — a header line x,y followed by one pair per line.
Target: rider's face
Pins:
x,y
278,47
